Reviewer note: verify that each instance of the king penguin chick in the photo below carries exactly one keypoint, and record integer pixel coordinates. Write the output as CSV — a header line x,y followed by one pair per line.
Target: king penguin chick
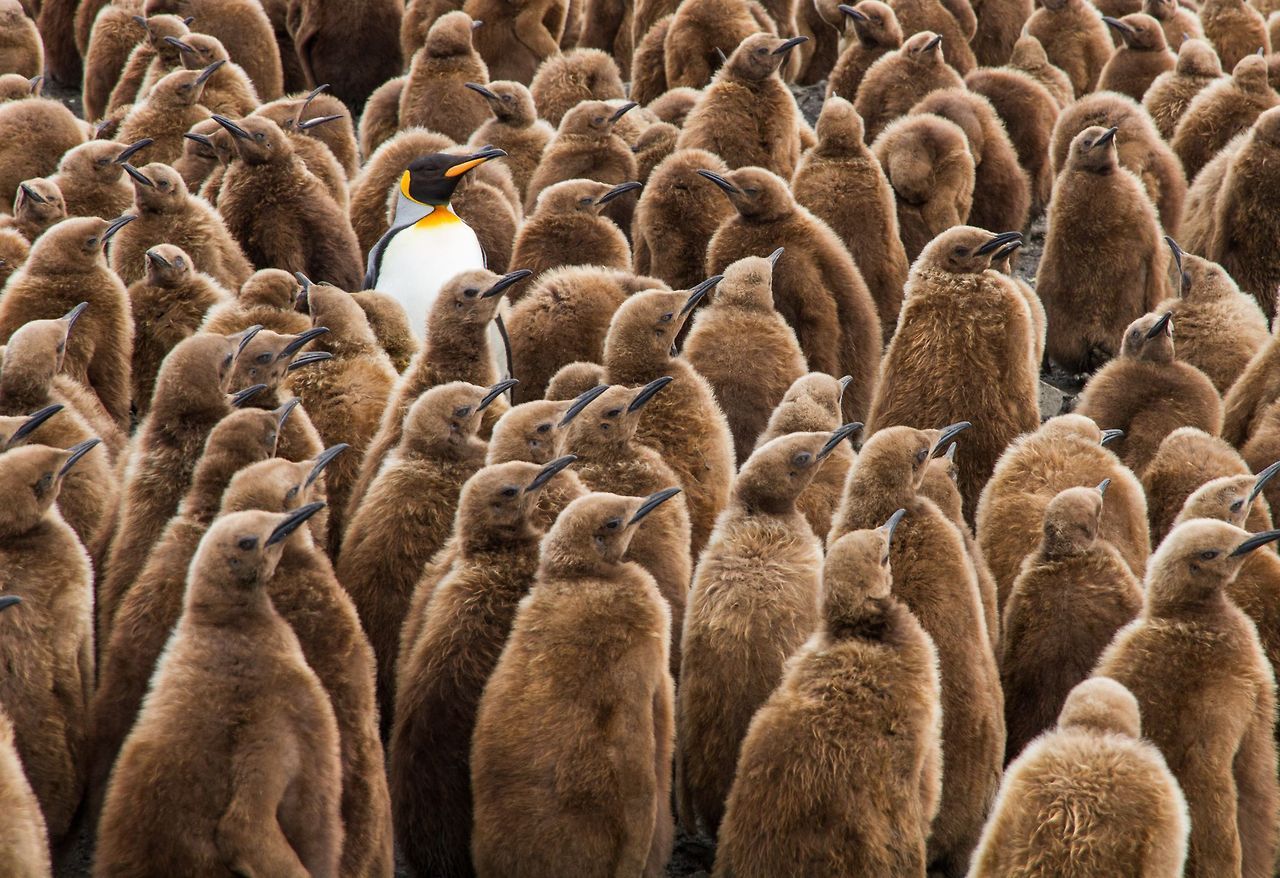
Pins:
x,y
954,308
684,424
515,129
1142,56
92,181
1128,812
601,430
896,82
21,50
1073,594
933,576
842,183
531,432
1149,394
861,694
37,206
444,669
47,648
267,359
702,33
1190,632
1177,21
169,214
433,95
1236,30
568,226
876,32
1220,329
34,135
1030,58
390,325
1103,264
229,90
817,288
1172,92
590,617
515,40
26,846
354,46
67,266
567,79
168,111
266,299
1075,40
747,95
747,382
232,657
405,516
754,602
677,214
1221,111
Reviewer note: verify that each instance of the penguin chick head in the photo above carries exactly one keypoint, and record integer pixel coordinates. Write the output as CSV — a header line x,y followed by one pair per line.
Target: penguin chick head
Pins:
x,y
857,581
266,358
1199,279
182,88
30,477
594,532
248,434
759,195
450,35
511,102
1094,150
1266,128
758,57
578,196
812,402
471,298
1101,705
166,265
875,24
100,160
36,350
1071,521
1196,561
1160,10
897,458
257,139
748,283
777,472
214,141
39,201
1028,53
431,179
1139,32
602,422
160,30
1250,75
574,379
15,87
19,430
1229,498
923,50
336,310
278,485
11,13
75,245
498,500
840,129
674,105
198,51
444,421
1072,426
196,373
240,551
157,188
1197,58
272,287
1149,338
645,326
593,119
964,250
527,432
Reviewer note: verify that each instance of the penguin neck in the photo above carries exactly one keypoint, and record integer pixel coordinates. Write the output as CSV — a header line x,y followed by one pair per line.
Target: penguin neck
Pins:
x,y
228,605
24,383
409,212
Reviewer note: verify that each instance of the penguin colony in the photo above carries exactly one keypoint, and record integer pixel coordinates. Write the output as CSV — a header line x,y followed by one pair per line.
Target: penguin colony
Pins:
x,y
513,439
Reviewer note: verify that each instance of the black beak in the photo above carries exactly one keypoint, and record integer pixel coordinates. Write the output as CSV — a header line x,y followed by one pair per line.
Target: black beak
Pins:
x,y
9,600
1260,482
584,399
698,293
32,194
932,44
309,358
201,139
844,385
506,282
74,314
476,23
998,241
852,13
116,225
1175,249
775,256
322,460
892,524
620,189
137,175
1126,30
652,502
1257,541
209,71
496,391
465,163
719,181
1103,485
790,44
180,45
948,433
235,129
246,336
32,423
156,259
1006,251
318,120
292,522
1111,436
838,435
1160,325
648,392
622,111
283,412
77,452
1106,137
300,340
35,82
240,397
548,472
481,90
315,93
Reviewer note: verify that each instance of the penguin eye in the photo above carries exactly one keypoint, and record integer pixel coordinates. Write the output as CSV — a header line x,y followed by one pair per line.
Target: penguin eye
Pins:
x,y
801,460
544,428
510,491
613,523
247,544
922,455
471,292
586,201
1237,506
180,263
962,251
752,192
762,51
666,318
462,411
90,243
259,136
226,363
102,163
613,413
1209,555
41,487
264,358
508,98
599,120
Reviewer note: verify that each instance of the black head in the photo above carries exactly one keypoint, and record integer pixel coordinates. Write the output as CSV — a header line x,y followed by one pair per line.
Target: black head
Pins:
x,y
431,179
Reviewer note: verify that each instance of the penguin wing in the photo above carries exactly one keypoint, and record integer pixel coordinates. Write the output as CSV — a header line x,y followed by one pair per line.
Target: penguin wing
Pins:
x,y
374,266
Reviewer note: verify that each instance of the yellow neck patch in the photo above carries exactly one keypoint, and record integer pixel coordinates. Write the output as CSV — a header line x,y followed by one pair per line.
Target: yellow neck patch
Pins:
x,y
439,216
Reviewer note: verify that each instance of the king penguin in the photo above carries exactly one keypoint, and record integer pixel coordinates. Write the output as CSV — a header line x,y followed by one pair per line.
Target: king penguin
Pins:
x,y
428,244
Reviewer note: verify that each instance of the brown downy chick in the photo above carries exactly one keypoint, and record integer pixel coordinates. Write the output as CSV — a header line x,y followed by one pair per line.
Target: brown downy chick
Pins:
x,y
433,96
674,105
1235,28
229,91
530,432
1220,329
515,40
653,146
896,82
955,22
1029,57
601,431
748,381
515,129
1073,594
1128,812
1264,445
1001,188
648,72
34,135
841,181
354,46
169,303
933,577
266,299
233,658
168,213
587,146
202,157
21,50
817,288
380,119
14,87
37,206
676,216
571,78
1179,23
1149,394
754,601
407,514
956,315
316,157
568,227
281,214
684,425
112,37
573,380
701,34
747,116
444,669
876,33
244,29
267,359
47,648
1221,111
1103,263
26,847
324,118
168,112
1075,40
92,181
927,161
1002,262
1191,633
863,693
149,59
591,617
67,266
1171,94
1142,56
390,324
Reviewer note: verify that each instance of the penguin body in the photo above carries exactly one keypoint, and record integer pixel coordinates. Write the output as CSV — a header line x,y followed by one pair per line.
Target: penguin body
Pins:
x,y
266,299
1177,21
115,34
1029,57
701,27
567,79
954,22
21,50
676,217
92,180
1221,111
568,227
516,40
1172,92
1075,39
433,96
167,112
574,379
353,46
1235,29
380,118
1029,112
26,847
587,145
897,81
876,33
1142,56
390,325
648,63
244,29
35,133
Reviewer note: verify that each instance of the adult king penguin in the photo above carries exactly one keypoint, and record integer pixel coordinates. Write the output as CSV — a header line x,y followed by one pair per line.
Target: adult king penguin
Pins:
x,y
428,243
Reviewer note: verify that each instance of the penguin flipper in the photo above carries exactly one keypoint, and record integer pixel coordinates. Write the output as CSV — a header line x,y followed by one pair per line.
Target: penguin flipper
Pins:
x,y
374,266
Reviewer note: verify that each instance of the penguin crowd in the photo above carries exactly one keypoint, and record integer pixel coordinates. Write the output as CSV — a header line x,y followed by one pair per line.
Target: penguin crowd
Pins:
x,y
483,439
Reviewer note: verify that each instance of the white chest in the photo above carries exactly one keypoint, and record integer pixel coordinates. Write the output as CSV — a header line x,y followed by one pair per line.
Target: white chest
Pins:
x,y
419,260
